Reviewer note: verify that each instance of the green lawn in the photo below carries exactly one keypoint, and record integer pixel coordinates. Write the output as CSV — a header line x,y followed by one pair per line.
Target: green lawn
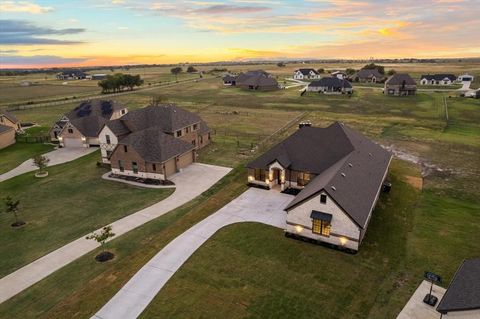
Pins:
x,y
18,153
71,202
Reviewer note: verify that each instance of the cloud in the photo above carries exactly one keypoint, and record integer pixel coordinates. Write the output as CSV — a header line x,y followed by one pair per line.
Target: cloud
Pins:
x,y
38,60
23,6
231,9
24,32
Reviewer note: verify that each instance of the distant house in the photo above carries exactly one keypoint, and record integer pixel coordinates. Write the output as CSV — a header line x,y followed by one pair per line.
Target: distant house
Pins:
x,y
330,85
306,74
337,174
154,142
7,136
339,74
8,119
73,74
400,84
368,75
465,78
81,126
462,297
257,80
437,79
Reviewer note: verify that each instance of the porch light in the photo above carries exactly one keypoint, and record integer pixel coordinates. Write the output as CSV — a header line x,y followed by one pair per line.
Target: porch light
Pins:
x,y
298,228
60,138
250,178
83,139
343,240
282,177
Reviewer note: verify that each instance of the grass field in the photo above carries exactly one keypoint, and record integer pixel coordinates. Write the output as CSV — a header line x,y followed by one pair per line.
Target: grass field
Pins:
x,y
72,201
411,231
18,153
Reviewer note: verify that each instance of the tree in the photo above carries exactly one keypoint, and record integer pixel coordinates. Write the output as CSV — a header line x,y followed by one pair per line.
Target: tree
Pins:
x,y
281,64
391,72
350,71
119,81
191,69
12,208
380,69
176,71
101,238
41,162
321,70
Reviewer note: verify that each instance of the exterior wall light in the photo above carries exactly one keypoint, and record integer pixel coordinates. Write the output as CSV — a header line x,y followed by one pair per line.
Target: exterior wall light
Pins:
x,y
343,240
298,228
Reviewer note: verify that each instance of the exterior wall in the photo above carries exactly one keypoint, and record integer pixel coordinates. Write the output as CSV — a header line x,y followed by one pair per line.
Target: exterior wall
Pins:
x,y
118,113
104,147
467,314
397,90
75,134
7,138
203,140
252,180
445,81
343,232
7,122
326,89
145,169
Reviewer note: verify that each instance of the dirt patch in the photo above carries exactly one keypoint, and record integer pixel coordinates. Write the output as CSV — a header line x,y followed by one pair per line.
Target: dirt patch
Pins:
x,y
416,182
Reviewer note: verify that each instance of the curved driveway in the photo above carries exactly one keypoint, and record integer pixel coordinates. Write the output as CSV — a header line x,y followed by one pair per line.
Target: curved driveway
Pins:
x,y
191,182
254,205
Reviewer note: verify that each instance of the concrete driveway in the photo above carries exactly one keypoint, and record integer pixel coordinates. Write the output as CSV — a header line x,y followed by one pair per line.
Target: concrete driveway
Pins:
x,y
58,156
191,182
254,205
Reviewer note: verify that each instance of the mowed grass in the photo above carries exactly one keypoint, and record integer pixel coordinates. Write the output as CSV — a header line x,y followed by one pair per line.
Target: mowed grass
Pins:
x,y
71,202
16,154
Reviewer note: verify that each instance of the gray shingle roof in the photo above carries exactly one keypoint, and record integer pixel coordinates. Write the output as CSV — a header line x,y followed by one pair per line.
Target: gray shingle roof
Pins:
x,y
204,127
101,108
169,117
9,115
331,82
307,71
117,127
4,128
463,293
329,152
154,146
256,78
439,77
89,126
369,73
399,78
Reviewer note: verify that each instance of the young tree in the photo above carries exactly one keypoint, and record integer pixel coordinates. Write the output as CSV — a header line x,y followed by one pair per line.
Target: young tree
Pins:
x,y
176,71
101,238
321,70
281,64
12,208
350,71
391,72
41,162
191,69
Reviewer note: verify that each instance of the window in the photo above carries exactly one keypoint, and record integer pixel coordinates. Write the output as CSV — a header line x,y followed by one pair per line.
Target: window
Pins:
x,y
323,198
125,148
194,143
201,139
154,167
321,227
187,129
259,174
109,153
123,111
303,179
135,167
121,166
179,133
107,137
70,130
209,137
195,126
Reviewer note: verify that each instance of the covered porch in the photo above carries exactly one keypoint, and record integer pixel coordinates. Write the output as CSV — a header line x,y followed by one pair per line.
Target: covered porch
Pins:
x,y
277,177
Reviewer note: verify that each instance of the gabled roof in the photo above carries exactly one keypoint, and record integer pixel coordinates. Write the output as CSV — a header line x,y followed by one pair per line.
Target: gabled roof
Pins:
x,y
306,71
439,77
349,166
154,146
4,128
9,116
168,116
117,127
89,126
400,79
463,293
101,108
256,78
203,127
369,73
331,82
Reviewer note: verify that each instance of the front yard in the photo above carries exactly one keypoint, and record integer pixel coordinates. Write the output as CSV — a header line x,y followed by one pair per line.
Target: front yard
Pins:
x,y
71,202
16,154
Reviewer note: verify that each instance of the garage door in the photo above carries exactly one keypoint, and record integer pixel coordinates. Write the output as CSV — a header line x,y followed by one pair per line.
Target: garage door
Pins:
x,y
72,142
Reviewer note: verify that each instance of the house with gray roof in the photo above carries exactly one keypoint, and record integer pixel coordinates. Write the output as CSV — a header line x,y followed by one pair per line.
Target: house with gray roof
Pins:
x,y
337,175
368,75
7,136
330,85
400,84
80,127
437,79
153,142
257,80
306,74
73,74
8,119
462,297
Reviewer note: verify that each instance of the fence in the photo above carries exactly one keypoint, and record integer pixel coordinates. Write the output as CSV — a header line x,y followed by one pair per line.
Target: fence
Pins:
x,y
32,139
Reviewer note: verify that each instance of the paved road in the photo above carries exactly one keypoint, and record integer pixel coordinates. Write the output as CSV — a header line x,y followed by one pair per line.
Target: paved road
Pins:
x,y
58,156
190,183
254,205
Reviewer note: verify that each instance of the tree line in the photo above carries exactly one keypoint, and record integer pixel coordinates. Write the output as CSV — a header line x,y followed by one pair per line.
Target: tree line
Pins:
x,y
119,82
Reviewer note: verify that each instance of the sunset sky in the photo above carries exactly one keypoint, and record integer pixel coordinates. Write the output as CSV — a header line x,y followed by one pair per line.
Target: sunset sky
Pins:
x,y
106,32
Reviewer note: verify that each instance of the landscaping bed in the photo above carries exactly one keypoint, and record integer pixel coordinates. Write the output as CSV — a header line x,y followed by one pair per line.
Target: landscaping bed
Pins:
x,y
146,181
